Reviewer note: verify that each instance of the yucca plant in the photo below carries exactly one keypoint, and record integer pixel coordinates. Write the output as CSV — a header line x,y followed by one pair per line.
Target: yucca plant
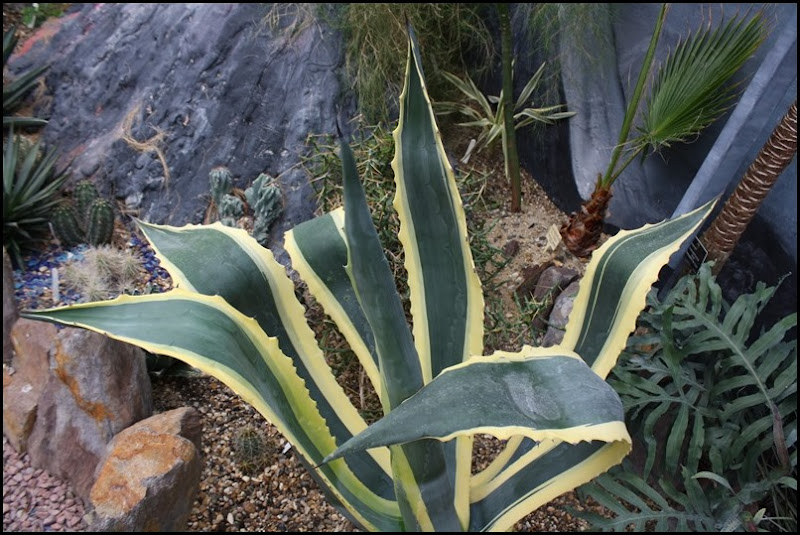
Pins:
x,y
486,112
690,91
234,314
15,90
30,192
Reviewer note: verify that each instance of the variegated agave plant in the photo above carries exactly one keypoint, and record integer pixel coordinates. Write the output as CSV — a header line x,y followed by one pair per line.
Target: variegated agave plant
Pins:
x,y
234,315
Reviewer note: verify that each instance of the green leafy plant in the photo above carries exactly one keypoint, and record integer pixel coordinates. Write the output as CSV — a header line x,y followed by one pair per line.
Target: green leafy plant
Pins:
x,y
716,407
35,14
86,218
30,191
690,91
16,90
234,314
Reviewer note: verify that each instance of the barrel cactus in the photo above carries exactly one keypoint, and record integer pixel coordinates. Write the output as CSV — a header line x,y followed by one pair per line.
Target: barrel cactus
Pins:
x,y
87,218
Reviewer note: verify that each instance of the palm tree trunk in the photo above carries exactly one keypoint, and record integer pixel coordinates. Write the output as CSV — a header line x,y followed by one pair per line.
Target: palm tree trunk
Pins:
x,y
581,232
723,235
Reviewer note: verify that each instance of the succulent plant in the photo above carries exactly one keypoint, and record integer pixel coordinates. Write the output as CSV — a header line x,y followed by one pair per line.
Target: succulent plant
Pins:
x,y
252,450
266,201
100,223
84,196
230,209
221,182
87,218
30,192
65,225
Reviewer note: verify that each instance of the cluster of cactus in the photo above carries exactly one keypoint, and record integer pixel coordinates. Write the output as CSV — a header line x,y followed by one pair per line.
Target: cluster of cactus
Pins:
x,y
88,218
263,197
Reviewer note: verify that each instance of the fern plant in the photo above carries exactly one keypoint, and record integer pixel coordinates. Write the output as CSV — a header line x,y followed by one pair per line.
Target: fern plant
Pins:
x,y
716,407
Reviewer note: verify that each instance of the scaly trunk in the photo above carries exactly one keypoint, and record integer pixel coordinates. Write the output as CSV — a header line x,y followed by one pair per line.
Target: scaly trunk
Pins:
x,y
582,231
723,235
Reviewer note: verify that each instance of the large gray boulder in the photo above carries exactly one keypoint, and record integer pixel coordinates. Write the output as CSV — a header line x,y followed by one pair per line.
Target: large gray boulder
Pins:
x,y
206,84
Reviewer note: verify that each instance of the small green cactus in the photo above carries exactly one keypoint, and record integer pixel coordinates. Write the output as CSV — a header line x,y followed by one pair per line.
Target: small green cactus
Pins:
x,y
230,209
65,225
100,224
266,201
84,196
87,218
221,182
253,451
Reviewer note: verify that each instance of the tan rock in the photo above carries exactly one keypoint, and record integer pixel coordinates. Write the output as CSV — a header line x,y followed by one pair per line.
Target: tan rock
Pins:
x,y
96,388
25,379
149,476
185,422
10,312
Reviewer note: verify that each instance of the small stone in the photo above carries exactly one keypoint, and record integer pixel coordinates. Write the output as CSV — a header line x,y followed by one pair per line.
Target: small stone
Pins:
x,y
249,507
230,518
511,248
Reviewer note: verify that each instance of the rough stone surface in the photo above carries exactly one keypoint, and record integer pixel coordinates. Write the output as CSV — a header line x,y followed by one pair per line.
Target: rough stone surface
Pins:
x,y
149,477
10,312
219,84
96,388
25,379
560,315
553,280
185,422
548,287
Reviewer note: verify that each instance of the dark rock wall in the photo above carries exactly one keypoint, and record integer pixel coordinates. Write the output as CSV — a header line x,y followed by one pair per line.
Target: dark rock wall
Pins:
x,y
219,86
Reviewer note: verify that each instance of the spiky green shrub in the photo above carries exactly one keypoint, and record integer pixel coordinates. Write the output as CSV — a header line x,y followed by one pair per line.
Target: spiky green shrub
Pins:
x,y
15,90
30,192
234,314
715,405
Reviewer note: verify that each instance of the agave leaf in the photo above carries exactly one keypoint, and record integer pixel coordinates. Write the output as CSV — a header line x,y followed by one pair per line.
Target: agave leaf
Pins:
x,y
249,278
543,394
319,254
612,293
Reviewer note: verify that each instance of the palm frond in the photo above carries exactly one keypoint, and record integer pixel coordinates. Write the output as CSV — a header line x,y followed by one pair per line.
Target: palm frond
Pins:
x,y
691,88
